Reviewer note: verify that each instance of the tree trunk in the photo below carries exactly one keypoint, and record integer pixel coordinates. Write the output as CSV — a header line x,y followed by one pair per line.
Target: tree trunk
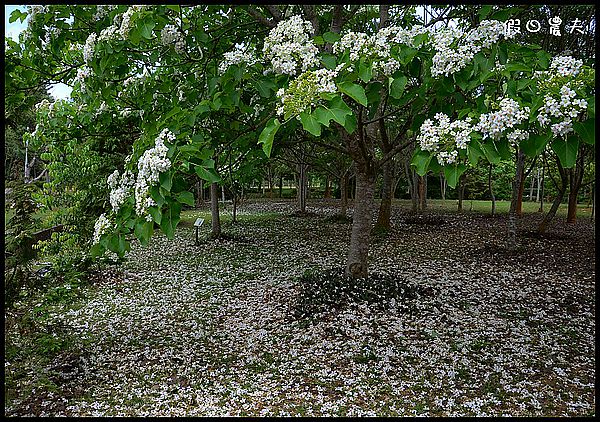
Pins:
x,y
461,192
270,178
521,188
234,200
555,204
531,186
385,209
302,187
358,253
344,194
575,179
327,194
515,200
443,187
198,201
214,210
491,188
412,185
422,193
593,201
280,186
541,209
572,207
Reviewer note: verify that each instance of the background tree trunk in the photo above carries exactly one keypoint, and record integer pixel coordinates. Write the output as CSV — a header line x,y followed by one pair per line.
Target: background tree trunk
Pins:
x,y
302,186
461,192
280,186
214,210
491,189
385,208
443,184
422,193
514,203
327,193
358,253
344,194
561,189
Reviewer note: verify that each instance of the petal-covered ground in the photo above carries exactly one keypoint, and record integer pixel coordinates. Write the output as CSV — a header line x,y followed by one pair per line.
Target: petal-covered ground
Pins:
x,y
209,330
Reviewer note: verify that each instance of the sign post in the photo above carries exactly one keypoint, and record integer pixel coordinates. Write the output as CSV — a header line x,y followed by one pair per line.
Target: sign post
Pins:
x,y
197,224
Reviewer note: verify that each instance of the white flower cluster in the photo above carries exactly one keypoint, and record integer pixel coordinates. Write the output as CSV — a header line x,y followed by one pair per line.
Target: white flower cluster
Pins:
x,y
170,35
33,11
103,10
303,92
88,48
358,44
153,162
446,138
449,59
377,48
566,65
82,74
565,109
101,226
288,47
109,33
241,54
495,124
120,188
126,23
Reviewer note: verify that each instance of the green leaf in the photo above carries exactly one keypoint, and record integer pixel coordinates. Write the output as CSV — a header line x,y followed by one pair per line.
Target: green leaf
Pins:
x,y
420,161
354,91
340,110
166,180
484,11
586,130
268,134
490,152
331,37
323,115
156,214
16,14
186,198
397,86
143,231
350,123
146,27
474,151
517,67
534,146
329,61
171,219
365,72
504,149
310,124
503,53
176,8
95,250
407,54
265,87
453,173
207,174
566,150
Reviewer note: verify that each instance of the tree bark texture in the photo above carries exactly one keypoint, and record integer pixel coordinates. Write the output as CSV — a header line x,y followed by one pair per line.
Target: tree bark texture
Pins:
x,y
512,214
491,188
344,194
357,263
214,210
385,208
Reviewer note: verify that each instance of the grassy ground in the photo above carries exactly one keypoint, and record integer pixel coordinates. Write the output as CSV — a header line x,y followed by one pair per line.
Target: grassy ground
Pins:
x,y
185,330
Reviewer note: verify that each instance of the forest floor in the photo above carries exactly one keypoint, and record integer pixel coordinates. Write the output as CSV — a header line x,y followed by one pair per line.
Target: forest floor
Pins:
x,y
210,330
